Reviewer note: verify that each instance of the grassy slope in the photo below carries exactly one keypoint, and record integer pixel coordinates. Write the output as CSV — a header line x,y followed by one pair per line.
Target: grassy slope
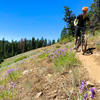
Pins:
x,y
21,57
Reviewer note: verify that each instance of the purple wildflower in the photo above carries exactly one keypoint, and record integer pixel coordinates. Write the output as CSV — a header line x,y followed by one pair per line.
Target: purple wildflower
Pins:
x,y
83,86
48,56
56,52
66,49
63,53
80,91
70,49
57,55
60,52
10,70
85,96
13,85
1,87
92,90
16,69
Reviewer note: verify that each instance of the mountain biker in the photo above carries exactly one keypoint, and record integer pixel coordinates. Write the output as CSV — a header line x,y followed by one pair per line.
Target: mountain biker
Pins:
x,y
80,22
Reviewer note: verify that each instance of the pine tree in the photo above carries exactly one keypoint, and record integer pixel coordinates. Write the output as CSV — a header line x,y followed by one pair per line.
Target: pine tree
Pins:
x,y
64,32
37,43
69,18
53,41
58,40
12,48
33,43
25,45
3,48
49,43
45,43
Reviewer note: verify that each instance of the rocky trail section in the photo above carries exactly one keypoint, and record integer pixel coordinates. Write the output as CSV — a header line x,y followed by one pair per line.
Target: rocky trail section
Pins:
x,y
92,63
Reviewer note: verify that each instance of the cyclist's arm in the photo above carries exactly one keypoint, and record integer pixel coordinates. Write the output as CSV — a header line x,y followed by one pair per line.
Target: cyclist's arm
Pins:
x,y
75,20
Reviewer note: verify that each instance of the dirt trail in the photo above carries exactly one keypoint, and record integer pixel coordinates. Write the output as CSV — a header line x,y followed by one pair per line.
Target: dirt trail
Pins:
x,y
92,64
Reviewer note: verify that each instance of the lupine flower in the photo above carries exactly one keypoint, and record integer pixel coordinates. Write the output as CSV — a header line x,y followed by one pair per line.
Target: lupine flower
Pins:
x,y
70,49
85,96
49,56
60,52
58,49
57,55
1,87
66,49
56,52
83,86
63,53
10,70
92,90
13,85
16,69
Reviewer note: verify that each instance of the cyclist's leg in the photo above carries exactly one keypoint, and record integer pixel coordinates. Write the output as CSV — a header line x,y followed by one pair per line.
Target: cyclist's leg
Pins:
x,y
77,34
76,38
83,32
84,41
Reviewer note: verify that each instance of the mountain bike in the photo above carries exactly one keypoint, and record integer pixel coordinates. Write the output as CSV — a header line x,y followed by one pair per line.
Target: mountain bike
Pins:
x,y
82,40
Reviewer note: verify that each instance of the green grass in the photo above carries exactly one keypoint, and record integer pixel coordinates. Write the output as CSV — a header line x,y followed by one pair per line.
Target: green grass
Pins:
x,y
95,37
6,95
13,76
44,55
98,47
58,46
8,92
17,58
68,61
10,76
66,39
21,58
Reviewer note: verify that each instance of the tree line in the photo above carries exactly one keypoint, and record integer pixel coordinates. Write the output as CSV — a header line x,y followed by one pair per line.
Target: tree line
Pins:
x,y
9,49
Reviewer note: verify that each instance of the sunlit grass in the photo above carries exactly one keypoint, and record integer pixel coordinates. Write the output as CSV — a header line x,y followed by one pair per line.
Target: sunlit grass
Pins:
x,y
66,39
67,61
44,55
95,37
17,58
8,84
98,47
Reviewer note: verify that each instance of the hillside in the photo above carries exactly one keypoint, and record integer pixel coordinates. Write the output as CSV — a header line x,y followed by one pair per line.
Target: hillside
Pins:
x,y
51,73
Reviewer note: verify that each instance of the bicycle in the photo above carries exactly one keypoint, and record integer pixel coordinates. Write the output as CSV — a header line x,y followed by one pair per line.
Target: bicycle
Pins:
x,y
82,41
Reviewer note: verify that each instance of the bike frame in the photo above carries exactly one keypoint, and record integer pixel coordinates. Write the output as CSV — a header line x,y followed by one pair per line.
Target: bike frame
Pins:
x,y
82,41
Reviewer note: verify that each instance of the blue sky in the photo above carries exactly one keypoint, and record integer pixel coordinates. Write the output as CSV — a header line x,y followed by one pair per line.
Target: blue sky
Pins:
x,y
35,18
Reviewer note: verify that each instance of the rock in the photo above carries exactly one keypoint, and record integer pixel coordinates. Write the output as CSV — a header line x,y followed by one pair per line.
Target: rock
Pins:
x,y
98,90
89,84
38,95
70,71
27,71
49,75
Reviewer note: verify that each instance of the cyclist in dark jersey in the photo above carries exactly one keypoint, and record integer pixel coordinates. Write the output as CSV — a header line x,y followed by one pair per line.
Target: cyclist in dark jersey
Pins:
x,y
81,21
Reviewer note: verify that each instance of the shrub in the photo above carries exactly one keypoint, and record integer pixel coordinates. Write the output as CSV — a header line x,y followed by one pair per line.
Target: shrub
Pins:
x,y
66,39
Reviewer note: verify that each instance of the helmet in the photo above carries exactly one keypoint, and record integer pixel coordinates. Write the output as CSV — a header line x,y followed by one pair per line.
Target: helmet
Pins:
x,y
85,9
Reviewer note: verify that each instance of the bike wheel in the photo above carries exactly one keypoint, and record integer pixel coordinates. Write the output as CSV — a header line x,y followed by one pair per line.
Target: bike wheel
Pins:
x,y
78,43
84,45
